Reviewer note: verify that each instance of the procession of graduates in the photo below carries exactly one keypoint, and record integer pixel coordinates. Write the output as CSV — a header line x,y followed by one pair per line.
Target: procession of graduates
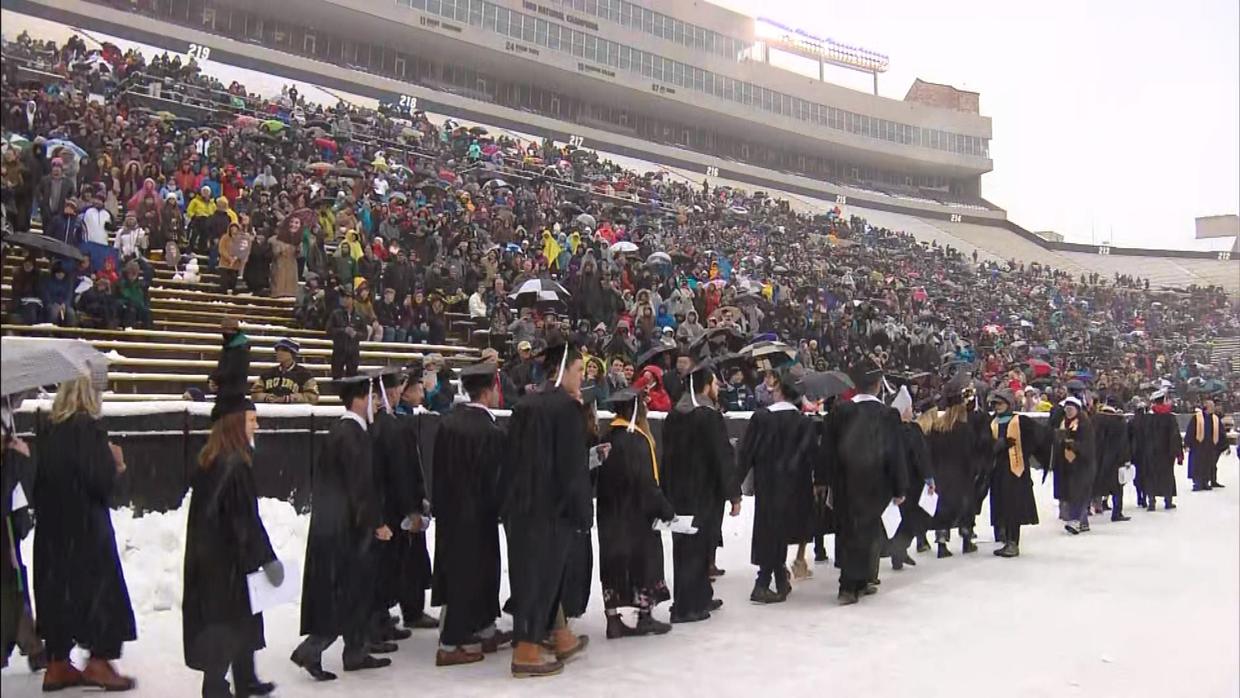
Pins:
x,y
813,467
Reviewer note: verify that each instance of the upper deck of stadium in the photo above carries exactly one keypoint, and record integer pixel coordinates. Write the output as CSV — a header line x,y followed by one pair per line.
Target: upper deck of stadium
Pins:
x,y
697,82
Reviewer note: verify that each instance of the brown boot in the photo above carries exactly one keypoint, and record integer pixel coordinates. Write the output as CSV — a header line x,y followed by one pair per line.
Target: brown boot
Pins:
x,y
567,645
458,655
61,675
528,661
101,674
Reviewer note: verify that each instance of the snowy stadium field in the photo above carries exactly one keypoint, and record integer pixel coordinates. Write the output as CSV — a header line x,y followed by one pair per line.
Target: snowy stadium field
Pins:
x,y
1143,608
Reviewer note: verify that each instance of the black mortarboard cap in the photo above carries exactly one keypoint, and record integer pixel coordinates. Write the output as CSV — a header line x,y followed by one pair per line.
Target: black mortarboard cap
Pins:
x,y
865,372
623,397
478,375
554,354
352,387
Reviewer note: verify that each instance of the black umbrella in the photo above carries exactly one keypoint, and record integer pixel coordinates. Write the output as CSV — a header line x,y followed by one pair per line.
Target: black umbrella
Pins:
x,y
732,339
821,385
43,243
650,355
346,171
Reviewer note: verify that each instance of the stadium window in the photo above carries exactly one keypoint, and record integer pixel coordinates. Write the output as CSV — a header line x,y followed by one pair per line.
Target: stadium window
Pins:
x,y
591,48
647,63
579,43
541,30
462,10
708,83
553,36
647,20
527,30
625,57
678,29
434,6
503,17
699,80
591,7
488,16
475,12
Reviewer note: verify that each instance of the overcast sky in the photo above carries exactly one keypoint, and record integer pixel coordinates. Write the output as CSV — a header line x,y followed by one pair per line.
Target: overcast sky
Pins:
x,y
1113,119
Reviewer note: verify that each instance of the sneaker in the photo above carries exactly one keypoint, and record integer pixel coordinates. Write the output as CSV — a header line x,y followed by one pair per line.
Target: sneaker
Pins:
x,y
1073,527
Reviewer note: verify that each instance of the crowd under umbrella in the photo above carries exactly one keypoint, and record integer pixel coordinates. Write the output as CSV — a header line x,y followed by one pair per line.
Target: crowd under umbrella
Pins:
x,y
624,247
533,291
717,341
650,355
659,259
29,363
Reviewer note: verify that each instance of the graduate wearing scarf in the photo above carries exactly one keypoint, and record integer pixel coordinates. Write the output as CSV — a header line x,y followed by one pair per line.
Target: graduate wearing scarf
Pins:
x,y
1075,460
1157,446
1206,441
629,503
1018,440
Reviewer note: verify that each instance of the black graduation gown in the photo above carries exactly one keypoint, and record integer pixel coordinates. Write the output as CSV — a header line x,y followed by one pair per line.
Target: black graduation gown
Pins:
x,y
468,449
1158,445
80,590
779,447
1111,444
415,570
395,500
955,456
1012,503
545,495
1203,455
629,502
225,540
1076,478
338,587
913,519
863,461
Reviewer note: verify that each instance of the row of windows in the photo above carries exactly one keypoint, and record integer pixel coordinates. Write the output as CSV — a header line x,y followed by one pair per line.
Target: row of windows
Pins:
x,y
660,25
536,30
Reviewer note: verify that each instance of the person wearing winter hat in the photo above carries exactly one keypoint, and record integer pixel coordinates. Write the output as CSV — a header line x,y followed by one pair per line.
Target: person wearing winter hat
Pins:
x,y
1157,446
347,329
1075,458
1111,432
288,381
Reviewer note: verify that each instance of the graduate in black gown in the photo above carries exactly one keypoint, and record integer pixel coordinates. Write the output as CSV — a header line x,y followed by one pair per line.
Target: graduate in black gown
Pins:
x,y
1158,444
699,476
914,521
415,571
1112,444
629,504
779,448
1018,440
545,494
956,441
1074,461
1205,441
468,450
338,593
862,462
226,541
397,501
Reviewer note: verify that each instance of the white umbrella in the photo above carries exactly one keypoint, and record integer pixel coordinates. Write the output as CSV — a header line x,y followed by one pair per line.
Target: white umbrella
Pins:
x,y
624,247
659,258
27,363
534,290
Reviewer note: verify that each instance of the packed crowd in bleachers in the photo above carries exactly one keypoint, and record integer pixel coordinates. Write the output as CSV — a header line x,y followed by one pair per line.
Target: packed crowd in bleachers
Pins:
x,y
163,174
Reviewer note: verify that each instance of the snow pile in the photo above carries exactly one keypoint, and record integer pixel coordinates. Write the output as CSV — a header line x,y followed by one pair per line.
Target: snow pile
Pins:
x,y
152,549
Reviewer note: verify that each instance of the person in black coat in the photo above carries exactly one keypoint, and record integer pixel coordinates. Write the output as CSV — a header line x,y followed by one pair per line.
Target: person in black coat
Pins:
x,y
337,595
698,478
545,489
1111,440
956,441
17,470
415,572
629,504
80,589
1075,461
226,541
914,521
863,464
1018,441
469,447
778,449
347,329
1206,441
257,272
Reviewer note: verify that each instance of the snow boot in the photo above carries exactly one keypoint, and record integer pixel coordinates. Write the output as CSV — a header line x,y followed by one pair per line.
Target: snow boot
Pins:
x,y
783,584
1150,504
763,594
1168,504
1009,549
800,569
943,551
528,661
647,625
616,628
847,598
61,675
568,645
967,545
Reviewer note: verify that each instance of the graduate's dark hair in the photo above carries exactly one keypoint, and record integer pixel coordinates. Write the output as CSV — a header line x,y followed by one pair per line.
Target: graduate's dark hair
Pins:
x,y
475,385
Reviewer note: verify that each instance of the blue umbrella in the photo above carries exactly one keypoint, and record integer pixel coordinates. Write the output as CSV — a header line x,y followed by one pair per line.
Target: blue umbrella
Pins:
x,y
74,148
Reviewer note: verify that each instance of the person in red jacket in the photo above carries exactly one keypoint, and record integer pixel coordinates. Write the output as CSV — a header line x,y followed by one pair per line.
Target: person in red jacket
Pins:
x,y
651,381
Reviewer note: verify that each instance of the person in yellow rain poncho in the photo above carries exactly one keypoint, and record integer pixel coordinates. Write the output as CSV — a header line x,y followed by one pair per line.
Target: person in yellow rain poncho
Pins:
x,y
351,239
551,249
574,241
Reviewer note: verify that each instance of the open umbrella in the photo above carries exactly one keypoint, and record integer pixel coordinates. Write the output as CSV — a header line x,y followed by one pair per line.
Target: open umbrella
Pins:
x,y
346,171
624,247
585,220
760,349
497,183
319,168
650,355
273,125
821,385
1039,368
478,131
534,290
31,362
571,208
43,243
1040,351
659,258
729,338
51,146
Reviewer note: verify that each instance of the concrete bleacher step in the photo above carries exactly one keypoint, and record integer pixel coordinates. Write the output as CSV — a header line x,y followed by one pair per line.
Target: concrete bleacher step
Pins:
x,y
152,350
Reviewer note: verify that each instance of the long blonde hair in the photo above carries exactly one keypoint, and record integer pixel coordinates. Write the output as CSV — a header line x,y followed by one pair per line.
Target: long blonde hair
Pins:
x,y
947,419
77,395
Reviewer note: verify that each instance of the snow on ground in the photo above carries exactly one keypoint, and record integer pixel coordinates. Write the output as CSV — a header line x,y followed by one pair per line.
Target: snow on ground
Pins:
x,y
1143,608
